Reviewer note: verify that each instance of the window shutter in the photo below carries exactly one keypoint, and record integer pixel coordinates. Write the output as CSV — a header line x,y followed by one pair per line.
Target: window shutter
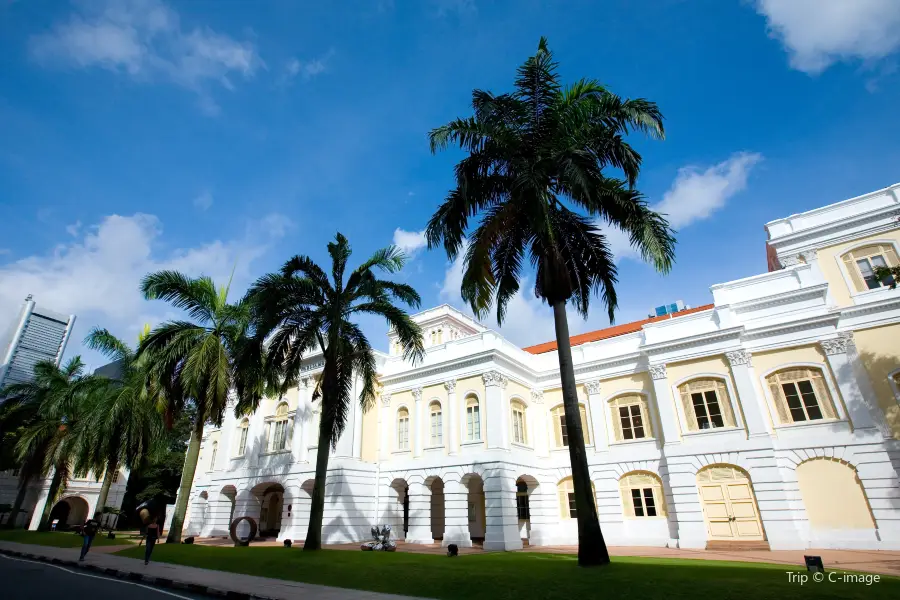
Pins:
x,y
853,272
557,428
890,255
616,420
659,499
778,397
689,414
627,504
645,417
725,403
584,424
563,503
267,436
289,435
822,395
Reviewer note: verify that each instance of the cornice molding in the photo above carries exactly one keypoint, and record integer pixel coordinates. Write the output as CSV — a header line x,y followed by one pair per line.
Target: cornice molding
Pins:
x,y
738,358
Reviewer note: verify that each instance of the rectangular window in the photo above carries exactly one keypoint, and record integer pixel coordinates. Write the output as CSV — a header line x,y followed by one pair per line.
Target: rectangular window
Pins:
x,y
706,407
473,423
801,401
242,446
867,268
522,507
632,423
437,430
573,513
518,427
403,434
564,434
278,441
642,500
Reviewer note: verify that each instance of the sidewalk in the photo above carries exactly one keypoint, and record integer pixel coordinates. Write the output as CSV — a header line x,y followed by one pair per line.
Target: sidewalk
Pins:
x,y
204,581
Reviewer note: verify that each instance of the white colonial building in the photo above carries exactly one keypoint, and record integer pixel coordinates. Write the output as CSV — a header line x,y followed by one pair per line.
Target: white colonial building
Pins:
x,y
768,418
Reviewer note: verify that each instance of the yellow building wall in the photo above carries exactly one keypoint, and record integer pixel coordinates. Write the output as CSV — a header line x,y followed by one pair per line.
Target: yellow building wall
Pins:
x,y
833,496
830,263
879,351
635,381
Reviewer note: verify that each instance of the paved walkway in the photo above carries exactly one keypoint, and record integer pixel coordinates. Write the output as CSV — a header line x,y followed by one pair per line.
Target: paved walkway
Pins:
x,y
215,582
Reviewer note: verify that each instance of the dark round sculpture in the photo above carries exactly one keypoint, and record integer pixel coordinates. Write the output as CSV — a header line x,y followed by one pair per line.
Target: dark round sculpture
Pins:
x,y
233,530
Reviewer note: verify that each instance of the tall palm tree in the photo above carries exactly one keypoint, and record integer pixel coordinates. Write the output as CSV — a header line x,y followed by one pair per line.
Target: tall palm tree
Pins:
x,y
194,361
50,407
299,310
123,424
534,175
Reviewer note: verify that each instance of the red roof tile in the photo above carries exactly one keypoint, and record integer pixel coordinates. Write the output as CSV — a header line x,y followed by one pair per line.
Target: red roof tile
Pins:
x,y
602,334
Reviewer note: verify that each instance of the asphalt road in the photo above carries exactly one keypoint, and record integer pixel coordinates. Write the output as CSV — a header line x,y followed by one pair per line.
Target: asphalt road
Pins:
x,y
21,580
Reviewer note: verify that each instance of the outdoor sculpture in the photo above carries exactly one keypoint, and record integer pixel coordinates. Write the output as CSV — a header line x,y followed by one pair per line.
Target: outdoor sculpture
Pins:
x,y
252,534
382,539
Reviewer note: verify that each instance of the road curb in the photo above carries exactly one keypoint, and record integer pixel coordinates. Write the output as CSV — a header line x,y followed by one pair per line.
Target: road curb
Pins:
x,y
137,577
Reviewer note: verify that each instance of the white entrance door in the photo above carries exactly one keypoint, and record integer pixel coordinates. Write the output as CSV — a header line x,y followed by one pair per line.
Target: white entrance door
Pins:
x,y
728,505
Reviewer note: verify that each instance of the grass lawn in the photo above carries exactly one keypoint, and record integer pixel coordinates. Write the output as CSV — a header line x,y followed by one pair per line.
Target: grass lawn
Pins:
x,y
55,538
508,575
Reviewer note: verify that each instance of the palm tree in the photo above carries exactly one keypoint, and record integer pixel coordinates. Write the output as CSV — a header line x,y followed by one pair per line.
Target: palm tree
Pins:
x,y
49,407
123,424
194,361
534,175
299,310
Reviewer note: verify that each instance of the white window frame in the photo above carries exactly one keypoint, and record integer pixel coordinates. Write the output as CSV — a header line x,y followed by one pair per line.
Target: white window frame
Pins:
x,y
586,426
272,422
212,459
242,437
526,438
836,398
465,419
848,281
439,443
732,397
397,445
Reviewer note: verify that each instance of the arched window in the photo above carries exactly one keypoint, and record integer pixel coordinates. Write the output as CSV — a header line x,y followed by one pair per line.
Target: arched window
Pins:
x,y
278,429
473,420
862,262
801,395
212,459
402,429
630,417
560,431
566,491
243,430
436,421
642,495
517,410
706,404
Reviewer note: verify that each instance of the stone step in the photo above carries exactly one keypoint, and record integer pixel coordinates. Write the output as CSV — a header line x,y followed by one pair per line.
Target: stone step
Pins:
x,y
737,545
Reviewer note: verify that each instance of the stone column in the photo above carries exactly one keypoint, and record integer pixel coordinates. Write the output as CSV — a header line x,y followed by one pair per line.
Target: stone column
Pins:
x,y
500,517
385,426
840,353
665,405
456,514
419,515
419,423
539,436
226,437
497,414
598,416
302,414
451,425
753,406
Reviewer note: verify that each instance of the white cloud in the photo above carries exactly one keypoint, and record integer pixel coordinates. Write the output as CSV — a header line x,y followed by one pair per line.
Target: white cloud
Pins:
x,y
96,277
144,39
305,69
409,241
818,33
74,228
695,195
204,200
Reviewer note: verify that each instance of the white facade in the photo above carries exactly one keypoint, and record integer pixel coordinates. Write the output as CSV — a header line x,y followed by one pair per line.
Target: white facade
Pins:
x,y
731,424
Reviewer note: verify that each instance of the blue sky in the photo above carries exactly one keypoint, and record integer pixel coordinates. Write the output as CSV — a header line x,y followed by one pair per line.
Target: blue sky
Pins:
x,y
137,135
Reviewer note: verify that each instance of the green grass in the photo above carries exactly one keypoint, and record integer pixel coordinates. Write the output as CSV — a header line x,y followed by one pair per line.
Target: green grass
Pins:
x,y
506,575
55,538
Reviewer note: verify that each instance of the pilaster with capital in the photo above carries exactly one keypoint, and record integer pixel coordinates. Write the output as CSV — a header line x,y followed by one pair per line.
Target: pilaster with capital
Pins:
x,y
420,422
385,426
665,405
598,416
537,421
450,420
853,383
302,413
753,404
497,408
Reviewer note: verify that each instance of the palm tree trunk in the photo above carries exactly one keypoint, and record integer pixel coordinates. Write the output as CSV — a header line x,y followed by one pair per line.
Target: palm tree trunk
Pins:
x,y
187,481
55,482
591,546
111,467
314,532
17,504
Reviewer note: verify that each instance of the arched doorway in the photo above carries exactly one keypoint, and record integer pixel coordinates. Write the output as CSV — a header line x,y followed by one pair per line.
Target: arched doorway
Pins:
x,y
228,497
397,509
271,504
525,486
436,485
729,505
833,496
476,507
71,511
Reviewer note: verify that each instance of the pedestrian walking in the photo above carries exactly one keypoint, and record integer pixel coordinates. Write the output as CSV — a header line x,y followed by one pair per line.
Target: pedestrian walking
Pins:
x,y
152,536
89,530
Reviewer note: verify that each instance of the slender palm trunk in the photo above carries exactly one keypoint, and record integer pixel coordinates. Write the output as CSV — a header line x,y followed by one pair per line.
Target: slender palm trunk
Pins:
x,y
591,546
17,504
314,532
187,481
55,482
112,466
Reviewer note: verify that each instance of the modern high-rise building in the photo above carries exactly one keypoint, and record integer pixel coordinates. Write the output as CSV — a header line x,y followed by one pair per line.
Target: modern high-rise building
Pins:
x,y
37,334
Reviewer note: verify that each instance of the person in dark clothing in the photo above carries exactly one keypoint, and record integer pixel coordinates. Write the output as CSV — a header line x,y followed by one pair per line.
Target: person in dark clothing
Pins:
x,y
152,536
89,530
